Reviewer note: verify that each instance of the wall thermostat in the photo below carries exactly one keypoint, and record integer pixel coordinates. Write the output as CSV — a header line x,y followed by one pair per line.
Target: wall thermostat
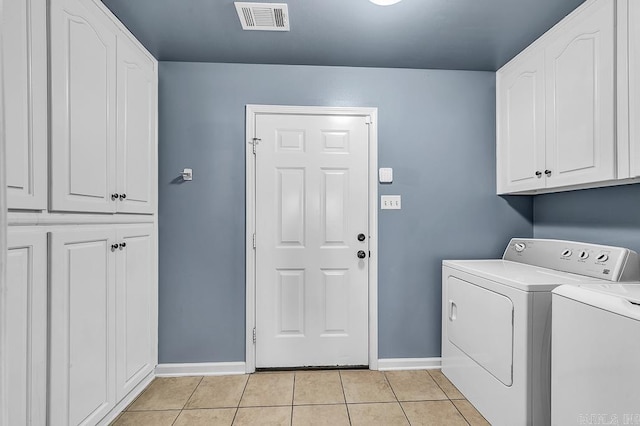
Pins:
x,y
385,175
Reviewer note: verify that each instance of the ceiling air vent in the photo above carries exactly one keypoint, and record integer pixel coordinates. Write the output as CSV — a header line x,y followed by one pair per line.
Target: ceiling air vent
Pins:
x,y
263,16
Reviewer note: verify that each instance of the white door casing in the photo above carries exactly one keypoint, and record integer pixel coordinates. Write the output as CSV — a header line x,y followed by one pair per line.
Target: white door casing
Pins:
x,y
633,118
310,192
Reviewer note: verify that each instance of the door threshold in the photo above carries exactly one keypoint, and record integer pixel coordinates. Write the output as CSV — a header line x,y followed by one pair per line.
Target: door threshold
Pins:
x,y
320,368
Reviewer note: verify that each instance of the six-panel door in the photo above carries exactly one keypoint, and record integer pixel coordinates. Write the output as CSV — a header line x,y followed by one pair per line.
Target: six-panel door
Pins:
x,y
311,205
82,325
24,74
580,98
83,107
26,338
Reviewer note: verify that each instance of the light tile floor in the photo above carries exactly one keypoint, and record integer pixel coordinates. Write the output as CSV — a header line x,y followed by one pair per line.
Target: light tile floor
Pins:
x,y
332,397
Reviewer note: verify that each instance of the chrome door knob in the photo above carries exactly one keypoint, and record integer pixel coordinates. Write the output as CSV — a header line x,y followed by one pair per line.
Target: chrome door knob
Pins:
x,y
361,237
361,254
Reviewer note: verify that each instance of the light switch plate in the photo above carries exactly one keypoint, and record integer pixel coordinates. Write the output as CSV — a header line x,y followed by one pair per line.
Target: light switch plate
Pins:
x,y
385,175
390,202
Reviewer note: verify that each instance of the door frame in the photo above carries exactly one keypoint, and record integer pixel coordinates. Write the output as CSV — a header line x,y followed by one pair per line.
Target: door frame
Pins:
x,y
252,111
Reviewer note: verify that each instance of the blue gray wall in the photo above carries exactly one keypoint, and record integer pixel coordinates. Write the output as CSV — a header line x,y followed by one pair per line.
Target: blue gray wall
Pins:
x,y
603,216
436,129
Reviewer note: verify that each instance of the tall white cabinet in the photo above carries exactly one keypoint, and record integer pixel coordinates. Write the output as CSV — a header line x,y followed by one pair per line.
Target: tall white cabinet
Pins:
x,y
82,185
559,104
633,23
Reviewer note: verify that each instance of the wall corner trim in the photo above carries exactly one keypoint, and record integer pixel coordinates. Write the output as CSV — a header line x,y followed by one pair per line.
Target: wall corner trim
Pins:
x,y
200,369
391,364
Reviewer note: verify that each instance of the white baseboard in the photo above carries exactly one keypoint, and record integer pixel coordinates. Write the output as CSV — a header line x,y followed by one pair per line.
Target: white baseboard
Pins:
x,y
200,369
389,364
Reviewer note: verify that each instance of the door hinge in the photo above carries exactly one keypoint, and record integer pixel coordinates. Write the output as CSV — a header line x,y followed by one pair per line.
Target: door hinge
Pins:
x,y
254,142
254,335
254,240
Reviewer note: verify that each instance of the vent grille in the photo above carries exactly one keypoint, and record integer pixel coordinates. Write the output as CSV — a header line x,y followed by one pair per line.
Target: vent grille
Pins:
x,y
263,16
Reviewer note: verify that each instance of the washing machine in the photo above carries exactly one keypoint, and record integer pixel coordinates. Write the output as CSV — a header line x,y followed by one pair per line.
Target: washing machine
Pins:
x,y
595,361
496,321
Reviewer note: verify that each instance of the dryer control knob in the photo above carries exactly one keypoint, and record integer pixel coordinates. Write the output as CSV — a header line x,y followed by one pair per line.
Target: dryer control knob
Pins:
x,y
602,258
583,255
519,247
567,253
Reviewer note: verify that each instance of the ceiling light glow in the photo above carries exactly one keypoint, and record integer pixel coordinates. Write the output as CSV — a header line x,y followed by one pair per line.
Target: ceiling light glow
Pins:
x,y
384,2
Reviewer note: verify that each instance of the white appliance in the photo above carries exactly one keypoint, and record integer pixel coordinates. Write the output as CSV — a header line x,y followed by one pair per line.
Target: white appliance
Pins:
x,y
496,321
595,362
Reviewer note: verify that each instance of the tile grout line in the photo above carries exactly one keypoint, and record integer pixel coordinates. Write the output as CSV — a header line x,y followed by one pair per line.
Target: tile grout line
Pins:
x,y
244,389
293,395
396,397
187,401
344,395
445,394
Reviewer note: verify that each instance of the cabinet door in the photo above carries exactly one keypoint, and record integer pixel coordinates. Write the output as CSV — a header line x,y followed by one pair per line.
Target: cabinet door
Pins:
x,y
25,85
137,88
634,85
580,98
83,113
136,313
82,339
26,340
521,131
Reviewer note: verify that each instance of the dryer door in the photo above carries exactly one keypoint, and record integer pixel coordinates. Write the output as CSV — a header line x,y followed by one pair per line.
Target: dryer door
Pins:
x,y
480,323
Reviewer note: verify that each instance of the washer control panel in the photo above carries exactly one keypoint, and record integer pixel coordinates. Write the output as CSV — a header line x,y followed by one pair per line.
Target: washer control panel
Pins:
x,y
592,260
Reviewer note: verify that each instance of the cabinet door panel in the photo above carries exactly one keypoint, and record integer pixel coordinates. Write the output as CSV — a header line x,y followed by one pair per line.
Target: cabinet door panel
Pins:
x,y
82,347
521,136
27,336
634,85
25,84
136,306
580,98
83,60
137,88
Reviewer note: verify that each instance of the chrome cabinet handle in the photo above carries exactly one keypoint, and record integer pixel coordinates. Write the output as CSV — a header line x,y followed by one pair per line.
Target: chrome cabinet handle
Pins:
x,y
539,174
114,196
114,247
361,254
122,245
123,196
547,172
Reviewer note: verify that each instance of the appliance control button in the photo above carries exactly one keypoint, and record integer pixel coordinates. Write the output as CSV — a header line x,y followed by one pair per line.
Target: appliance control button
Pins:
x,y
583,255
520,247
567,253
602,258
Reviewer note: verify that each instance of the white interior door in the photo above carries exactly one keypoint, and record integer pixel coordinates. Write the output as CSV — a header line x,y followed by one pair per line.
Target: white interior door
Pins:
x,y
311,206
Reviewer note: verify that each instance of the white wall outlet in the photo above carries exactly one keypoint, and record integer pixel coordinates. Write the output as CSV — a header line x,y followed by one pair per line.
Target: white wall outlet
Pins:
x,y
385,175
390,202
187,174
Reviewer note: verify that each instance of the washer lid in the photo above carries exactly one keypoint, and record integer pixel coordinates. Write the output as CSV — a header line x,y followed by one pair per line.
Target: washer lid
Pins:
x,y
518,275
622,299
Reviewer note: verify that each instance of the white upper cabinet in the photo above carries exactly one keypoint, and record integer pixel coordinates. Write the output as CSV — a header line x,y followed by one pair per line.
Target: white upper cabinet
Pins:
x,y
580,100
634,85
521,131
24,48
556,106
83,101
103,117
137,100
